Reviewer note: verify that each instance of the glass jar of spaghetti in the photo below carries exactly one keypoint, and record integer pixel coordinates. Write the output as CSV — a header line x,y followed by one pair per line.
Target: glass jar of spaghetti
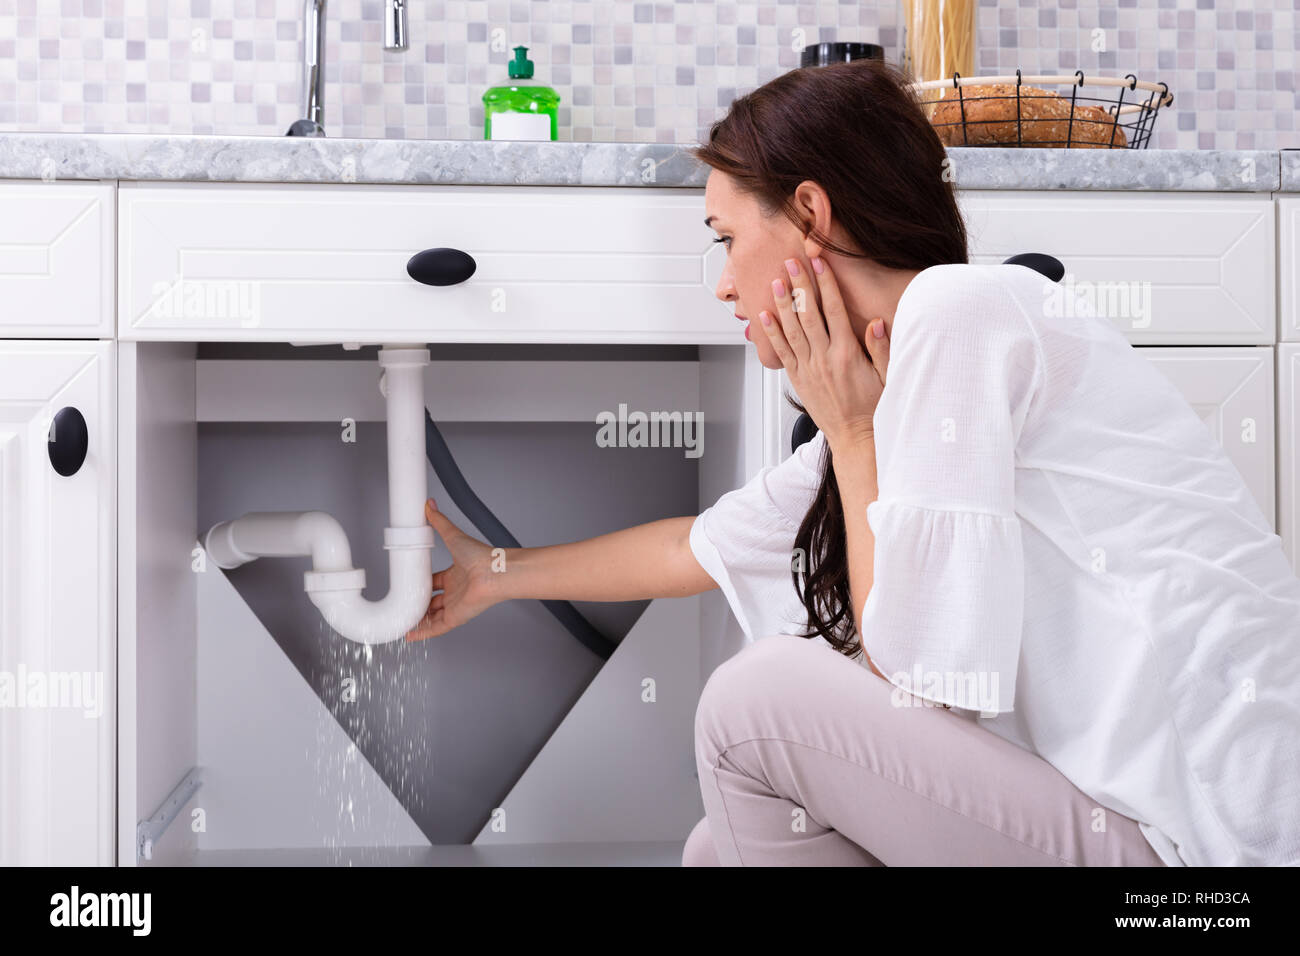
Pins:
x,y
938,39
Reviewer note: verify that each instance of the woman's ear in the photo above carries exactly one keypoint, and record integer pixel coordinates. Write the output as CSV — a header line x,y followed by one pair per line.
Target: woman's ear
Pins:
x,y
814,211
811,247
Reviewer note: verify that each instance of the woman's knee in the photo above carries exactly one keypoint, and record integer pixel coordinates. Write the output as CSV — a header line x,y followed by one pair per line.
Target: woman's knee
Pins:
x,y
699,849
763,652
759,673
738,670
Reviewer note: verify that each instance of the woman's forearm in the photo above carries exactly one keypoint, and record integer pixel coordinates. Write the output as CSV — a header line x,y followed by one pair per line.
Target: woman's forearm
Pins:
x,y
855,475
645,561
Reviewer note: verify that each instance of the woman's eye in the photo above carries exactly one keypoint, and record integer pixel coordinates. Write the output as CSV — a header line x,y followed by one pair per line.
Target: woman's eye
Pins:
x,y
726,239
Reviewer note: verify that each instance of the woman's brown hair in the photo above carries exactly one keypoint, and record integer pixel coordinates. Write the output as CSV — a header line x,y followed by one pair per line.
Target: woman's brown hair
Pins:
x,y
858,131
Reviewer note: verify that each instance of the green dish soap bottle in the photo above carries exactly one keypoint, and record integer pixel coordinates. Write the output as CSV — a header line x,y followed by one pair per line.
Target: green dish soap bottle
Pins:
x,y
520,112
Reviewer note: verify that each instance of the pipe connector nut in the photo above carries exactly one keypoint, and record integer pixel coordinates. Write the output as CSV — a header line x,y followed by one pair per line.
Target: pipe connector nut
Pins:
x,y
403,356
354,580
219,543
397,539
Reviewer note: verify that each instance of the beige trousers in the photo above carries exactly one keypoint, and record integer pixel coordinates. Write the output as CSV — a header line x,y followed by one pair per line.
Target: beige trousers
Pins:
x,y
806,758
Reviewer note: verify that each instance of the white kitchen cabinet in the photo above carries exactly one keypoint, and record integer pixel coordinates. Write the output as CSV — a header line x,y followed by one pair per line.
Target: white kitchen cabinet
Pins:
x,y
1166,268
1232,390
208,691
56,260
1288,267
314,263
208,688
57,603
619,269
1288,450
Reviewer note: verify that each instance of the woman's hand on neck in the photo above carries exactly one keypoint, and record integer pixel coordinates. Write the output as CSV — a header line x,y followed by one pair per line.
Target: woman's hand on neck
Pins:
x,y
870,291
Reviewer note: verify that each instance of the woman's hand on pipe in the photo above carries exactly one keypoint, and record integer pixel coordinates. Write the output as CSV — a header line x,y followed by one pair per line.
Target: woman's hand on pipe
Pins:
x,y
462,591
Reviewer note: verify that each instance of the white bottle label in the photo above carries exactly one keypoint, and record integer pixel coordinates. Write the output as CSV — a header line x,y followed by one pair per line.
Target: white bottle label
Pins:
x,y
530,126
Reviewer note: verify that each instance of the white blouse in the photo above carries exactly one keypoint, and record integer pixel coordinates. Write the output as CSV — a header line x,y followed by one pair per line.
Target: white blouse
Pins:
x,y
1064,553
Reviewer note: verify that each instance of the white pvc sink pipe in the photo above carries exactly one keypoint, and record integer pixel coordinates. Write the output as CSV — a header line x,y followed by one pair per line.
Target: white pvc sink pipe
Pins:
x,y
333,585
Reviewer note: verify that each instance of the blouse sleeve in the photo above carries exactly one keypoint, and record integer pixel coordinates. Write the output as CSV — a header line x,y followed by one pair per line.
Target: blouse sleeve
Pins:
x,y
745,542
944,615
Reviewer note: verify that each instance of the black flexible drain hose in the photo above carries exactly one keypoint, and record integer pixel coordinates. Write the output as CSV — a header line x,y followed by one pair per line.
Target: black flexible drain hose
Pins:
x,y
444,466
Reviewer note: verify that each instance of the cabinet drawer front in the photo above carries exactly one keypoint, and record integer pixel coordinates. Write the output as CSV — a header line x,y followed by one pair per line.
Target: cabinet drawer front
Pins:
x,y
1288,249
1288,451
328,264
56,260
1166,269
1232,390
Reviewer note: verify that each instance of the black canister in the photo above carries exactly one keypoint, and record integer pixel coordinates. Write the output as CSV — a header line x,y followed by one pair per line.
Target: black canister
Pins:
x,y
820,54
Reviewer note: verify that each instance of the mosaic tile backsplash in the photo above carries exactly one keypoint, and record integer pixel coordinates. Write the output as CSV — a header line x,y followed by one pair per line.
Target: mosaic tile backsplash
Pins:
x,y
625,71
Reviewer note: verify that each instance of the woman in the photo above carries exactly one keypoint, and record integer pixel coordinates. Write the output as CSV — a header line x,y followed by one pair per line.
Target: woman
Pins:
x,y
1012,605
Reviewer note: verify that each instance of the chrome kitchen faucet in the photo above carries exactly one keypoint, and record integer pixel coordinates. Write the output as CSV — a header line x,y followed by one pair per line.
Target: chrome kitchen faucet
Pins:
x,y
313,59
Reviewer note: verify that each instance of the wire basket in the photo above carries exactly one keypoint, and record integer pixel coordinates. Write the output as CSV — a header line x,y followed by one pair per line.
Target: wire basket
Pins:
x,y
1017,111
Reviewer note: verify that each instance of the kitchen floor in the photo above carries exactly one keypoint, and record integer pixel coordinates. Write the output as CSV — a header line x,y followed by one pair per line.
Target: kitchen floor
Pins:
x,y
667,853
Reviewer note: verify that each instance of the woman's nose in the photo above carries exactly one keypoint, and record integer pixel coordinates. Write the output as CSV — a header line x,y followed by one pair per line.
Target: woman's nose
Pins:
x,y
726,290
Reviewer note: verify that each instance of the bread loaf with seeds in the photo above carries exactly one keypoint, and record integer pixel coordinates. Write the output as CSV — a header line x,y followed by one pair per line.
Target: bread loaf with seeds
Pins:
x,y
1045,119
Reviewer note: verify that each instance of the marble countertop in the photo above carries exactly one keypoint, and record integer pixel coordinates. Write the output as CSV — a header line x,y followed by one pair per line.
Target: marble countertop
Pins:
x,y
282,159
1290,170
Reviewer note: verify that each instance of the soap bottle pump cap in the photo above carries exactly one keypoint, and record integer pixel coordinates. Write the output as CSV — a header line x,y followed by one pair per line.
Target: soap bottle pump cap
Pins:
x,y
521,67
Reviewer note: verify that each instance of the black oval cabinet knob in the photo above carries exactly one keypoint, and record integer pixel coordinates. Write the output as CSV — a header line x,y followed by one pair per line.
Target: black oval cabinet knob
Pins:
x,y
1040,262
804,430
441,266
69,441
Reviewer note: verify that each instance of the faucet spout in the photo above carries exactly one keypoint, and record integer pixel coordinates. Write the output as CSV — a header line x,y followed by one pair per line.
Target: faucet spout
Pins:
x,y
313,59
313,71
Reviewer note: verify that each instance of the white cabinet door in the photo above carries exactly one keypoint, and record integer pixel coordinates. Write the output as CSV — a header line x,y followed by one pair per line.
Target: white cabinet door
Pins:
x,y
1288,450
1166,268
56,260
1232,390
57,604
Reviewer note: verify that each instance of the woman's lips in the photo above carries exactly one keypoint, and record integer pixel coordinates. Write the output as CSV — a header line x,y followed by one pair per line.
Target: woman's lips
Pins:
x,y
745,319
